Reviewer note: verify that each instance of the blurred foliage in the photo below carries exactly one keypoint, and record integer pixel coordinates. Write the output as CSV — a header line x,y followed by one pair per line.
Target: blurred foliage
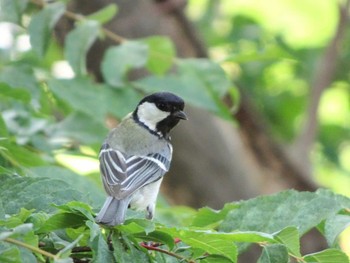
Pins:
x,y
272,55
53,120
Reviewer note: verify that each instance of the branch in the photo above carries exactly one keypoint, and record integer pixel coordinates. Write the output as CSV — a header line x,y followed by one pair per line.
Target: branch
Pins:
x,y
156,248
77,17
32,248
323,77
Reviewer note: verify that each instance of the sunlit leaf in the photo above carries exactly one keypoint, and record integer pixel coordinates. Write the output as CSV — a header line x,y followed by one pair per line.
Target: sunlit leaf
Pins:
x,y
289,237
334,226
161,52
327,256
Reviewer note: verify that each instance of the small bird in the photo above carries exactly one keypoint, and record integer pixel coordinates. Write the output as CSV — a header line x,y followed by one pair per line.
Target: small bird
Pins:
x,y
136,155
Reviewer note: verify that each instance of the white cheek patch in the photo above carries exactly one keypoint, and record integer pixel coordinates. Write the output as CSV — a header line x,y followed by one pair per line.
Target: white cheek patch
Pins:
x,y
150,115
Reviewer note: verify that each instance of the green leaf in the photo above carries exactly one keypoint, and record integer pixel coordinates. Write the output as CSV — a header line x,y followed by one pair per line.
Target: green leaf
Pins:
x,y
19,94
161,53
21,77
275,253
83,95
67,249
78,208
41,25
77,44
215,259
93,194
34,193
125,251
327,256
289,237
269,214
105,14
119,59
61,221
219,243
334,226
10,254
19,230
138,225
19,155
207,216
11,10
209,73
157,236
81,128
3,128
99,246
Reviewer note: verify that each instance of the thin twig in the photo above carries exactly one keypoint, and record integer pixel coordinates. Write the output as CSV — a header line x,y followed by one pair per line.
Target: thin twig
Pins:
x,y
30,247
77,17
167,252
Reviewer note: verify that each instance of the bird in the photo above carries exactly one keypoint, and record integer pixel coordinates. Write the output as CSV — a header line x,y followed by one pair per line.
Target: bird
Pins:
x,y
136,155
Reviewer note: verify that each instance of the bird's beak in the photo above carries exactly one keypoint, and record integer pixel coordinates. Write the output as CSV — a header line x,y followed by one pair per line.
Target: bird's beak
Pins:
x,y
180,115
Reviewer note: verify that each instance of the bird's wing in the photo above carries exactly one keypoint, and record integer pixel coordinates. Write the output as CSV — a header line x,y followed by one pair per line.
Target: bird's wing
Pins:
x,y
123,175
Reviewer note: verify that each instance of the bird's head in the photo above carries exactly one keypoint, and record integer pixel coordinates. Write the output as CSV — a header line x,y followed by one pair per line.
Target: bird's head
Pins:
x,y
160,112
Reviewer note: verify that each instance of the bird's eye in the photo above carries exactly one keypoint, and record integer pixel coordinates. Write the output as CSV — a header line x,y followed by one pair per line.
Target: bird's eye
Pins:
x,y
162,106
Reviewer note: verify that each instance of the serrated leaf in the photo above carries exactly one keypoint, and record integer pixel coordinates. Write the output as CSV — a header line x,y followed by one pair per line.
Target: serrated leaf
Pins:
x,y
161,53
269,214
83,95
119,59
275,253
207,216
138,225
105,14
334,226
125,251
289,237
34,193
77,44
41,25
219,243
93,194
11,10
327,256
78,208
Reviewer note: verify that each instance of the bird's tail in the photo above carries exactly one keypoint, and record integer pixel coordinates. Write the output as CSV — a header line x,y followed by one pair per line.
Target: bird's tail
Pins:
x,y
113,211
